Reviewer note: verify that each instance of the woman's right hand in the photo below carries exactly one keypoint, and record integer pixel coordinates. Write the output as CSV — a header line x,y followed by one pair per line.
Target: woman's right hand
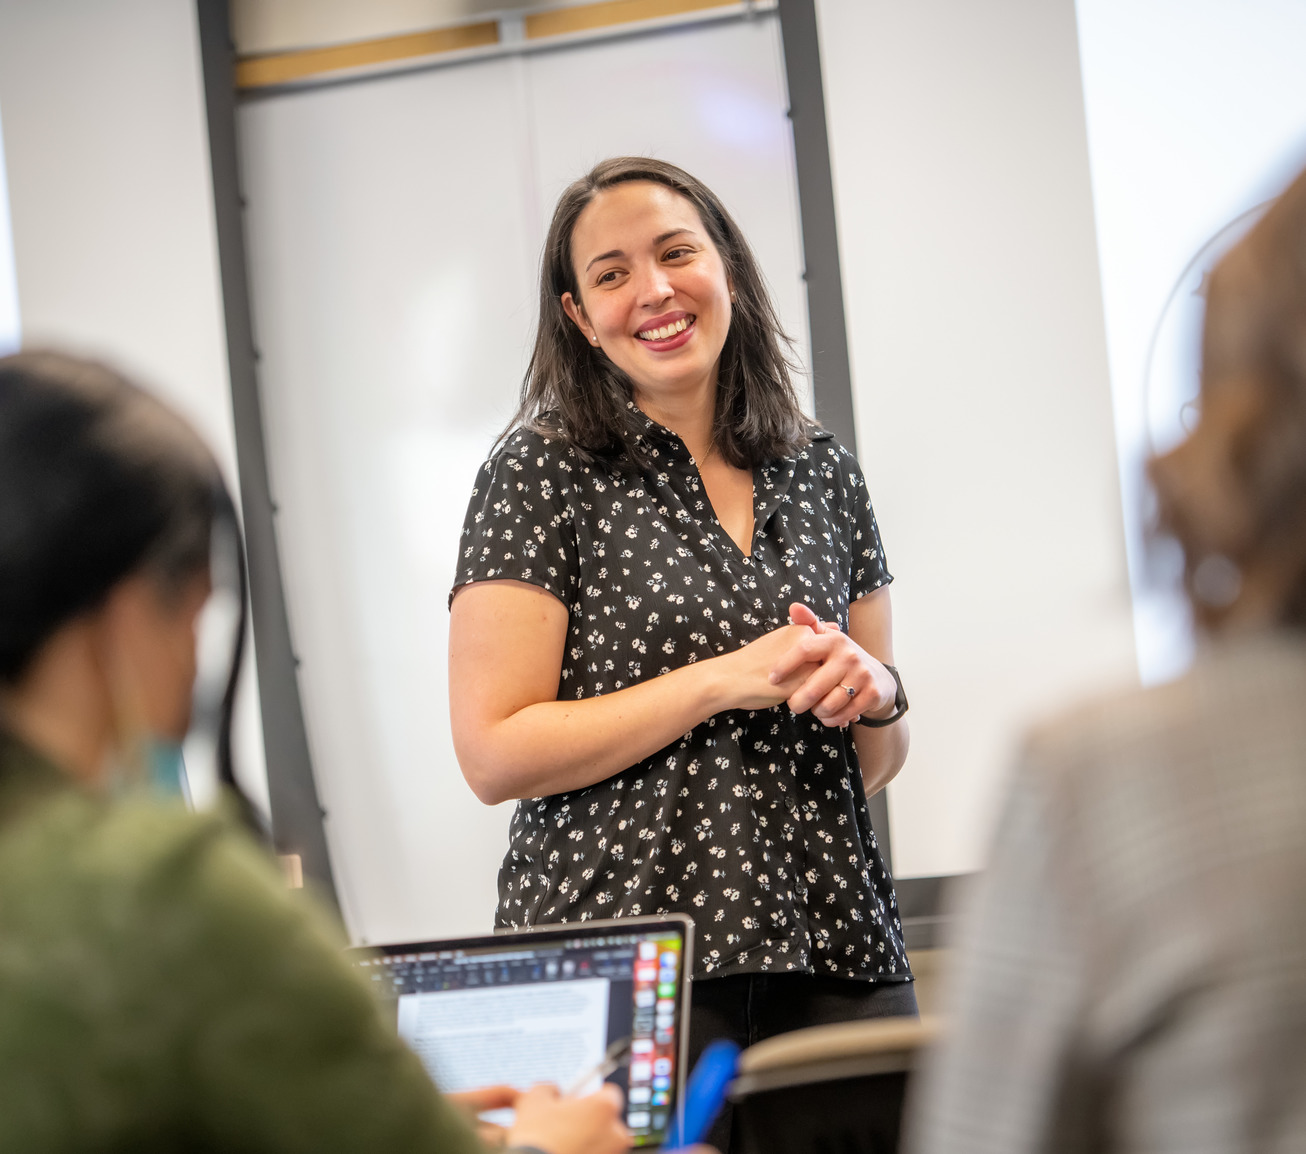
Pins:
x,y
517,738
749,669
558,1125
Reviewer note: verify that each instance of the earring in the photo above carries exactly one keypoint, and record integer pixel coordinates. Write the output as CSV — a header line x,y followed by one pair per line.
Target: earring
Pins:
x,y
732,294
594,340
1217,581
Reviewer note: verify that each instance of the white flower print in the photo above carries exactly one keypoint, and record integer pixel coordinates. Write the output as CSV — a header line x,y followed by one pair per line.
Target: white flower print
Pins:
x,y
759,872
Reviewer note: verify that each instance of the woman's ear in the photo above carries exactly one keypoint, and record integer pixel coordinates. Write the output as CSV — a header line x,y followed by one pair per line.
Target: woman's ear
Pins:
x,y
578,318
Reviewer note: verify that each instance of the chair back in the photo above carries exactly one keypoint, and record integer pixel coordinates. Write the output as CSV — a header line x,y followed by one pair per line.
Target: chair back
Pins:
x,y
835,1089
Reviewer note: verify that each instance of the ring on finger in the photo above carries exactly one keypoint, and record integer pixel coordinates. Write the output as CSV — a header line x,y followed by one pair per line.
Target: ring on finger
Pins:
x,y
848,689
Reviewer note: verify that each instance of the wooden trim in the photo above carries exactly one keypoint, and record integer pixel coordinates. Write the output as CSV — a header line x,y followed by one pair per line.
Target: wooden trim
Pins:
x,y
588,17
285,67
278,68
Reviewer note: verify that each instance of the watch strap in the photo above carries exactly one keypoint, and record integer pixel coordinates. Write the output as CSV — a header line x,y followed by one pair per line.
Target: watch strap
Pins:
x,y
899,703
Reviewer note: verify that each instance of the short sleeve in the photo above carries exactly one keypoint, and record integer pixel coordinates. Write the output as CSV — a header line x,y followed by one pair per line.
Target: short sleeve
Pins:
x,y
520,523
870,570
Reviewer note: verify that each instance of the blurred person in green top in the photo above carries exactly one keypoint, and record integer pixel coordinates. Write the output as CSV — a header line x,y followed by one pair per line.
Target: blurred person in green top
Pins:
x,y
160,989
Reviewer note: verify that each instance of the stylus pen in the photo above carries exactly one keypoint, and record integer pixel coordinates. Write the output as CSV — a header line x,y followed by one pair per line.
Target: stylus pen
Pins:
x,y
618,1054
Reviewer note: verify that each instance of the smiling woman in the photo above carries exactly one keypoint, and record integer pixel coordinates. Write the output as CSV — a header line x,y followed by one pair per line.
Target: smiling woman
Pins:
x,y
671,606
619,288
655,219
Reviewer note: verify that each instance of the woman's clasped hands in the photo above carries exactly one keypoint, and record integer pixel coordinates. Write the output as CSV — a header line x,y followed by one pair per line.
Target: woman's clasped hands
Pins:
x,y
812,664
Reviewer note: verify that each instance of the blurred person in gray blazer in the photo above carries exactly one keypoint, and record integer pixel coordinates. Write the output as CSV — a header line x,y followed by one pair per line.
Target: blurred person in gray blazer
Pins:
x,y
1131,972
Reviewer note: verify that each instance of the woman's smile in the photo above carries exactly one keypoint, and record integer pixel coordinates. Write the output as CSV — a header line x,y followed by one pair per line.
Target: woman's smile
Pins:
x,y
653,291
664,333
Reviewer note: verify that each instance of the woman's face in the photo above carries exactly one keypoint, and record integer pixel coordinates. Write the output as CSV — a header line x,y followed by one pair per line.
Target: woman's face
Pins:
x,y
152,639
653,290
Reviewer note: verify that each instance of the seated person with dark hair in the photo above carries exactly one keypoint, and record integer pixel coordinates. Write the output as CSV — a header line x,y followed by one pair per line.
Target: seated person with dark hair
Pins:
x,y
159,987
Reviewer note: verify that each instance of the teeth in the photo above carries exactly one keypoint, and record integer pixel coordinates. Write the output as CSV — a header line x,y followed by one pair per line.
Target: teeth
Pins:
x,y
665,331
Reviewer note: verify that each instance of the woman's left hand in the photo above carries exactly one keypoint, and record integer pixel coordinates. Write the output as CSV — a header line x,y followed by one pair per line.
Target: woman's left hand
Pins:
x,y
843,665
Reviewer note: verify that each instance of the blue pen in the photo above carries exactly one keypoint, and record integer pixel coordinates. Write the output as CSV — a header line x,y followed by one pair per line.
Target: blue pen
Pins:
x,y
705,1094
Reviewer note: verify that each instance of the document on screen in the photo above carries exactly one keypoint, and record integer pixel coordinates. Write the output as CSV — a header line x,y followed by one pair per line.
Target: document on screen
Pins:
x,y
519,1035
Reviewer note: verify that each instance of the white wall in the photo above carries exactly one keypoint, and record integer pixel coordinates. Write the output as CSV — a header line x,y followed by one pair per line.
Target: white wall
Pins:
x,y
10,319
980,380
109,185
1196,114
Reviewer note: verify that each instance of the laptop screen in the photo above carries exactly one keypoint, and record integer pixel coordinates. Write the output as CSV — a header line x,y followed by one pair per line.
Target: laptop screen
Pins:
x,y
548,1005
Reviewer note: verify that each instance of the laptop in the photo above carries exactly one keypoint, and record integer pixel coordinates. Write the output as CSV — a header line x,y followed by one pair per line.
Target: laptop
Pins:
x,y
550,1004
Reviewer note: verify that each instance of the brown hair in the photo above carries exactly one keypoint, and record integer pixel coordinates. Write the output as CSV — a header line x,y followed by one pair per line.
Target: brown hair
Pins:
x,y
574,391
1234,493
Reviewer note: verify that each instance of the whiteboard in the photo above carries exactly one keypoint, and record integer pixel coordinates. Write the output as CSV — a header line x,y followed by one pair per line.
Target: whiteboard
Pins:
x,y
394,227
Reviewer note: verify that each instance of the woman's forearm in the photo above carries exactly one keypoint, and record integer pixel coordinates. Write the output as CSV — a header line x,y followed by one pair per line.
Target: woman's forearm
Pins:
x,y
881,753
556,746
514,737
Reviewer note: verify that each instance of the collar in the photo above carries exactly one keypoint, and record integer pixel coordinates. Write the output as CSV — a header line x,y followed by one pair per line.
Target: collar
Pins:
x,y
25,775
660,441
771,481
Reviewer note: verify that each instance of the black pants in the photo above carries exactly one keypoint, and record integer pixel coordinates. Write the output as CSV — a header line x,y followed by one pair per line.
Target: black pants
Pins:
x,y
747,1008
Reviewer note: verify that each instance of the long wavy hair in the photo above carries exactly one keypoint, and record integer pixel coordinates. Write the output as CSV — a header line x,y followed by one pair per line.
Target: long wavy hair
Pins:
x,y
573,391
1234,493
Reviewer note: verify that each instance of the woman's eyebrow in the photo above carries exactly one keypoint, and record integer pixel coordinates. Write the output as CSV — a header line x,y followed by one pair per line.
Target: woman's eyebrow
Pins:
x,y
657,240
604,256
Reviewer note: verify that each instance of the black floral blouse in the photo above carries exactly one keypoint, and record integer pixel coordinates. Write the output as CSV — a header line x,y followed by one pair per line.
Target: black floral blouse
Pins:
x,y
754,823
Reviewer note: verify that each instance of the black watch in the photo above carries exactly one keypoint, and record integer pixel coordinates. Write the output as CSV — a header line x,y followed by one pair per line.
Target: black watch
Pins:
x,y
900,706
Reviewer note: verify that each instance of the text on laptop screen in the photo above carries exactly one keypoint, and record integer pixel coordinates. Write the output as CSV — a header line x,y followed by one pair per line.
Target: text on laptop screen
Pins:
x,y
546,1008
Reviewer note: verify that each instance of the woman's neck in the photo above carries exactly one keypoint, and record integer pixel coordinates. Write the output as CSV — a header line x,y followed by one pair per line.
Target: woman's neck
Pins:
x,y
57,709
691,415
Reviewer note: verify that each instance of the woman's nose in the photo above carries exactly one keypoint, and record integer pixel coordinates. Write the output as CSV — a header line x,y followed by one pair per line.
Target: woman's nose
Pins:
x,y
653,286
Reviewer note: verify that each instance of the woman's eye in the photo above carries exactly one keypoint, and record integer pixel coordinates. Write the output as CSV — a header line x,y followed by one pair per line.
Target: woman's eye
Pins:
x,y
607,277
675,253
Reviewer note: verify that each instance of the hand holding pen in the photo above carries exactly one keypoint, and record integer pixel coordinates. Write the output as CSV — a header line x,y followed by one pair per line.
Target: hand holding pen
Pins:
x,y
616,1056
546,1120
